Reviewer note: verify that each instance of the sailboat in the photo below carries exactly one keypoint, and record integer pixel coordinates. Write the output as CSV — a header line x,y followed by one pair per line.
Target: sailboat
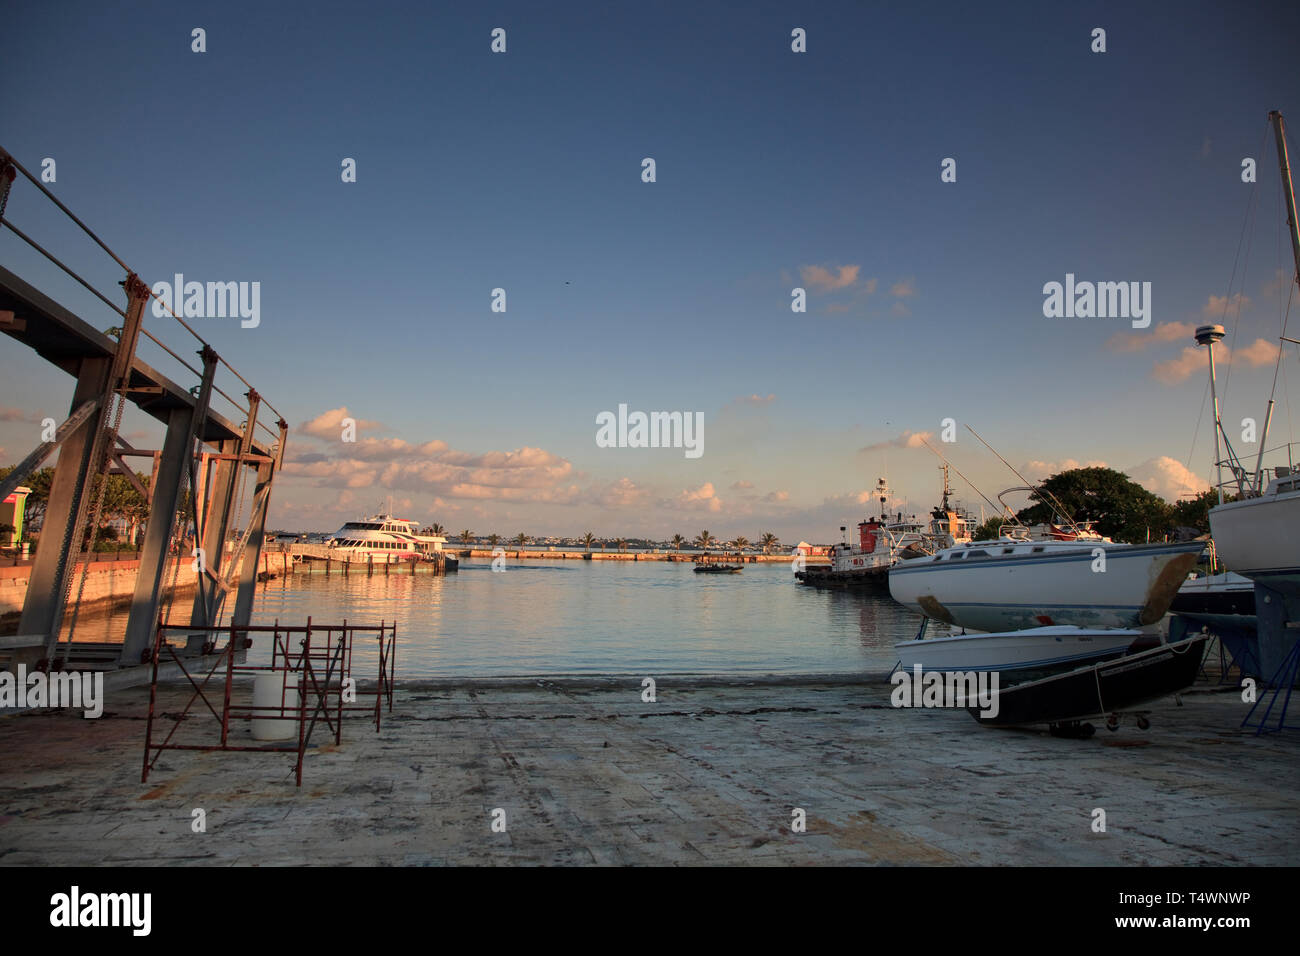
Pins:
x,y
1258,534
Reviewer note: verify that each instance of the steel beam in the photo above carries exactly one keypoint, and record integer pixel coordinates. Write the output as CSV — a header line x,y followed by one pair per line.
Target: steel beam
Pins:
x,y
253,550
44,449
175,463
218,495
55,557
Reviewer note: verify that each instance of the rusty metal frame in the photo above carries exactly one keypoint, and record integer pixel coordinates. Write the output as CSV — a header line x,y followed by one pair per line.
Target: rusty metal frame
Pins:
x,y
323,669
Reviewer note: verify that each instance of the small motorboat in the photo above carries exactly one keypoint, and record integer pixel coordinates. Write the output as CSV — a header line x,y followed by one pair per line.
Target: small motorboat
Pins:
x,y
717,569
1101,690
1036,649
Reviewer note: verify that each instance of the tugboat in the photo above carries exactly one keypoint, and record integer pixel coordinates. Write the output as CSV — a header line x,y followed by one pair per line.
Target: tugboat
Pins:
x,y
883,542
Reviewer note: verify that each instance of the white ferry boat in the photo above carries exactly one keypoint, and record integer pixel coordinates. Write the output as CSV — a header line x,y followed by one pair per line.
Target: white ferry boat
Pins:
x,y
383,539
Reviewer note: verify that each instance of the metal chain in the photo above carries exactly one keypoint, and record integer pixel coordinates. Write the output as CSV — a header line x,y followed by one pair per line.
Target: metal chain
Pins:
x,y
103,471
7,174
180,553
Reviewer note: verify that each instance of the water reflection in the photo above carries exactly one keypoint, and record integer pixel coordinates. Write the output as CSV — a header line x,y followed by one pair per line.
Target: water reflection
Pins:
x,y
580,617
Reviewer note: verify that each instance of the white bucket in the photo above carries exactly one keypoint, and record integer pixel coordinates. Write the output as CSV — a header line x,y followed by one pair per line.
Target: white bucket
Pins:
x,y
266,694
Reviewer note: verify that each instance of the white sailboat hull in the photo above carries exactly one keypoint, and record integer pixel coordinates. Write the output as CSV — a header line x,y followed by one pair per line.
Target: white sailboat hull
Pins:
x,y
1055,587
1260,538
1037,648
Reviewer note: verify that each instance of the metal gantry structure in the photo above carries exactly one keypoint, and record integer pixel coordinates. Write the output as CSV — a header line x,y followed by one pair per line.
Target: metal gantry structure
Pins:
x,y
203,452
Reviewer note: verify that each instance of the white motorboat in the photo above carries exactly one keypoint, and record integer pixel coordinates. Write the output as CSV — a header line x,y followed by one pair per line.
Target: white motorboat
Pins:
x,y
1011,583
1034,649
383,539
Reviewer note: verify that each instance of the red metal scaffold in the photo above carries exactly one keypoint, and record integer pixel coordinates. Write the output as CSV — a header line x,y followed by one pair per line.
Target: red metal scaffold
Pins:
x,y
325,688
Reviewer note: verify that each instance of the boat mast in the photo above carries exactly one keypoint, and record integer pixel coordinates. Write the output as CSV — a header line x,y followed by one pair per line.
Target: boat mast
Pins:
x,y
1279,132
1288,189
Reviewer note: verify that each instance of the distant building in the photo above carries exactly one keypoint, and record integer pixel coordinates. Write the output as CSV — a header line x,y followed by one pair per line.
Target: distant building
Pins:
x,y
809,550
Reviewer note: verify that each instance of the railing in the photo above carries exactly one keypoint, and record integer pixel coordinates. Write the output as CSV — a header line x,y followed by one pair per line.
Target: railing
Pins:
x,y
1247,483
8,167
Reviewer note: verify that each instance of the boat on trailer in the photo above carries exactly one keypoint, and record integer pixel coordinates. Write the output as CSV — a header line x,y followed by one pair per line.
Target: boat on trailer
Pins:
x,y
1108,689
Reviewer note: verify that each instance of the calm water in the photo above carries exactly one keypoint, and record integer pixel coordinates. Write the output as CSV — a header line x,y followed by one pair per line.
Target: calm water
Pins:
x,y
581,617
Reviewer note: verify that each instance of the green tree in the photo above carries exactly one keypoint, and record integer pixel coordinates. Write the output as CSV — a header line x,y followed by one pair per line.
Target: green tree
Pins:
x,y
704,540
1121,508
493,539
521,539
1195,512
988,531
588,539
678,541
466,535
768,541
741,543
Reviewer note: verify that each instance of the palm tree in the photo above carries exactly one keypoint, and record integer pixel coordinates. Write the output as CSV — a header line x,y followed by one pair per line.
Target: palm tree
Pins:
x,y
588,539
466,535
622,544
704,541
741,543
678,541
769,541
493,539
437,529
521,539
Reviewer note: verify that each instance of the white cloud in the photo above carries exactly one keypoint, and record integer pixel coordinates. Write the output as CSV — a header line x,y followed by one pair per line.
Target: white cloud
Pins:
x,y
1217,306
1157,335
821,279
329,425
1168,478
1037,471
909,439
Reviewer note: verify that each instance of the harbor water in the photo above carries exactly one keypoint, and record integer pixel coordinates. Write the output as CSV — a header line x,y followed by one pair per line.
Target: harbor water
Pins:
x,y
586,617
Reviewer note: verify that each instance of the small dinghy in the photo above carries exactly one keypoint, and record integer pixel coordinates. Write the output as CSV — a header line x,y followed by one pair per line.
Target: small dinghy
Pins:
x,y
718,569
1102,690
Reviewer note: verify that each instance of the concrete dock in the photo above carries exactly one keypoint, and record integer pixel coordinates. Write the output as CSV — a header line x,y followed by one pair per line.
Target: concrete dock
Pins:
x,y
711,773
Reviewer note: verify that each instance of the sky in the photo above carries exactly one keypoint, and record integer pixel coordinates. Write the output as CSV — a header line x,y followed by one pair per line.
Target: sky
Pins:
x,y
773,170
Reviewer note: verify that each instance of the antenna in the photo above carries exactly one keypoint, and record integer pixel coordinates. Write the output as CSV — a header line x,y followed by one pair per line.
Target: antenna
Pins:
x,y
1037,488
964,478
1209,336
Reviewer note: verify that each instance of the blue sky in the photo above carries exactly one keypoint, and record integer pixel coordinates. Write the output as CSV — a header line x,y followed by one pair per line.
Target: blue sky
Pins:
x,y
774,170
